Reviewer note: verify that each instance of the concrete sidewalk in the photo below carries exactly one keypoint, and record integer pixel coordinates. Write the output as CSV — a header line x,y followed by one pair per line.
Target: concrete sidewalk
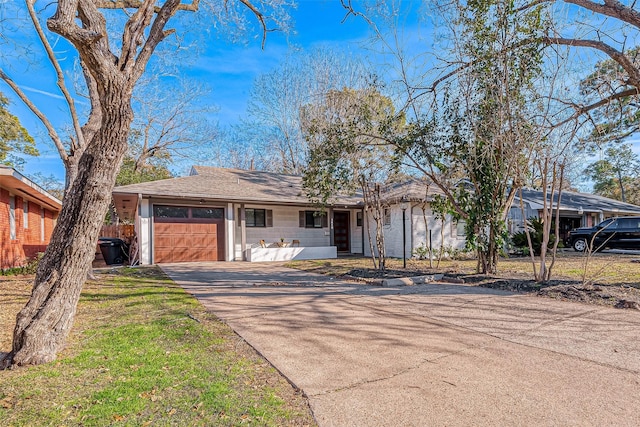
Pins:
x,y
429,355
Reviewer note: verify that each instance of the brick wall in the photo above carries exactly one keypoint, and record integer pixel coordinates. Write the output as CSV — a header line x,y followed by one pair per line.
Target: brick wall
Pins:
x,y
28,241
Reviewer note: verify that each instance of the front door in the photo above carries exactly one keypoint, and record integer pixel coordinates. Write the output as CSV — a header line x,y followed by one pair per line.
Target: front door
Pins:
x,y
341,231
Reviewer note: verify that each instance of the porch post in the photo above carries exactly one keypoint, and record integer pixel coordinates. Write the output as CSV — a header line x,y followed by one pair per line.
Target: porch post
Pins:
x,y
332,235
243,232
136,228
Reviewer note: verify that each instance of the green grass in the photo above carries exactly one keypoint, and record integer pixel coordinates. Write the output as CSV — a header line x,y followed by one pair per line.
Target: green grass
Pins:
x,y
137,357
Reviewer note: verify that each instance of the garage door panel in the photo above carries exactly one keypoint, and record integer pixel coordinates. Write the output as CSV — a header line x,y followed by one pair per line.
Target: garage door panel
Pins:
x,y
163,255
210,241
182,240
180,228
187,239
182,254
163,240
202,241
161,227
203,254
204,229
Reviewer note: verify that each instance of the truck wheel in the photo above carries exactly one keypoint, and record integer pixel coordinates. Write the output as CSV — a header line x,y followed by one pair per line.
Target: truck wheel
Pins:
x,y
580,244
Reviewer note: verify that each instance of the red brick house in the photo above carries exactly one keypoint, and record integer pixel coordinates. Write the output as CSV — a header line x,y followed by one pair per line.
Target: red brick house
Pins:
x,y
27,217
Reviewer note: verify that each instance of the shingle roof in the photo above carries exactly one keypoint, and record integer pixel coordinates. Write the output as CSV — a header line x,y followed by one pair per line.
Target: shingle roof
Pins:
x,y
587,202
23,186
415,190
233,185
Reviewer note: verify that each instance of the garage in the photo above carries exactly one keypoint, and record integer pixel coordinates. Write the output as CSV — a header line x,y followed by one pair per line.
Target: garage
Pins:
x,y
185,233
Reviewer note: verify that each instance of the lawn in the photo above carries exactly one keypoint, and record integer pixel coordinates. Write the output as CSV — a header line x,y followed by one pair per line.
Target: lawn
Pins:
x,y
143,352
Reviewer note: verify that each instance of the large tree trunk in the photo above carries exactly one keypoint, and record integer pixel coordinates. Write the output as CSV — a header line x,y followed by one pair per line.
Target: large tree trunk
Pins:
x,y
44,323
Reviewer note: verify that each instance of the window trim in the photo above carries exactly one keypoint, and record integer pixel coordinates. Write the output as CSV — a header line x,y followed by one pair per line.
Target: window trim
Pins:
x,y
189,218
12,218
42,225
25,214
268,218
303,223
386,216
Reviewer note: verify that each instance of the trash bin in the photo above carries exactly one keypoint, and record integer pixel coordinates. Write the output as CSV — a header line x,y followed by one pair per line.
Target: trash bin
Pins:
x,y
114,251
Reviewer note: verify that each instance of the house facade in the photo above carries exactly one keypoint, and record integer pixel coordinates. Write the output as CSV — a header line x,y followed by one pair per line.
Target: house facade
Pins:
x,y
27,217
419,229
219,214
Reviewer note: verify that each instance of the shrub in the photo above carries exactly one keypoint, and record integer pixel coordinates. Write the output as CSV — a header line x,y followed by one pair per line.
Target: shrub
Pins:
x,y
519,239
29,267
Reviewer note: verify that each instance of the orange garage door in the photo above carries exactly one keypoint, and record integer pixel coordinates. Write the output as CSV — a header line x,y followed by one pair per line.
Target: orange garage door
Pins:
x,y
183,234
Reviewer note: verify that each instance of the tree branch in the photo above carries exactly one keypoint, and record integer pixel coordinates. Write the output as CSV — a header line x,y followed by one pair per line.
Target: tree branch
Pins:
x,y
156,35
132,36
59,74
616,55
260,17
611,8
47,124
136,4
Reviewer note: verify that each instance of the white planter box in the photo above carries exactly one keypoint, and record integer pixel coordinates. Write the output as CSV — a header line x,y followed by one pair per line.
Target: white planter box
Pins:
x,y
288,254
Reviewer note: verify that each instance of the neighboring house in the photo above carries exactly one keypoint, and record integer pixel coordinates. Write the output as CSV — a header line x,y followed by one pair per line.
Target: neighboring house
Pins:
x,y
219,214
27,217
422,227
576,210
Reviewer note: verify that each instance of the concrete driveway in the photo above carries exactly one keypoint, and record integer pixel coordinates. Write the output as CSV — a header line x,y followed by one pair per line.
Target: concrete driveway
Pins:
x,y
429,355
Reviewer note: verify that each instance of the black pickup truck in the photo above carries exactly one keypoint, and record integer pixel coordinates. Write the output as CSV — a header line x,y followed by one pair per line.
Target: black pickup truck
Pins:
x,y
621,233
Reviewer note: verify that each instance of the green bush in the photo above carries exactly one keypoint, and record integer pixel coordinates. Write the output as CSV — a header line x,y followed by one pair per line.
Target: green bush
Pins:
x,y
519,239
29,267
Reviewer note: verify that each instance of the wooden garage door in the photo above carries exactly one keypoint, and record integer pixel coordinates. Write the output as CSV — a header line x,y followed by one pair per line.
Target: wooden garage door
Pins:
x,y
183,234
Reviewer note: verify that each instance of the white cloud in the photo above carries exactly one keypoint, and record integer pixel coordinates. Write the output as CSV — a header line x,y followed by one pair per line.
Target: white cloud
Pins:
x,y
42,92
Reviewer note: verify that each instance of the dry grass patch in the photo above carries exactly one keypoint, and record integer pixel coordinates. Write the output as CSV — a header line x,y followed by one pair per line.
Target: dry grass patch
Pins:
x,y
14,293
606,279
144,352
603,268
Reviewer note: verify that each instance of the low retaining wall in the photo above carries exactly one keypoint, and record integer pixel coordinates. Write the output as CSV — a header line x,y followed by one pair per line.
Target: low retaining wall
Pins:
x,y
288,254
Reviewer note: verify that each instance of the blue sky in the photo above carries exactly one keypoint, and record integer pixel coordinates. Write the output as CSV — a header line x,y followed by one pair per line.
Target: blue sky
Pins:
x,y
227,69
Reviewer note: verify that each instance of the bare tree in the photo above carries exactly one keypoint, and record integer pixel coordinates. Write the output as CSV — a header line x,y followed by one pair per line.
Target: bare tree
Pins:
x,y
170,123
277,98
111,69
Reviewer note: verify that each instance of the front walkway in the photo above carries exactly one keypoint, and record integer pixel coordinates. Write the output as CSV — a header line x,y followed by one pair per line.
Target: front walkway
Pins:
x,y
429,355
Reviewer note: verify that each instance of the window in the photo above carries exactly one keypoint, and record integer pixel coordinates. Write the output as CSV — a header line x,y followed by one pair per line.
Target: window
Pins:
x,y
255,217
359,219
215,213
170,211
313,219
258,217
25,213
163,213
387,216
609,224
628,223
460,226
12,217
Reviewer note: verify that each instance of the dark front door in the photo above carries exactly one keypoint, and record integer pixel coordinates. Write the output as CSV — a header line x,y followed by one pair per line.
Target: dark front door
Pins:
x,y
341,231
